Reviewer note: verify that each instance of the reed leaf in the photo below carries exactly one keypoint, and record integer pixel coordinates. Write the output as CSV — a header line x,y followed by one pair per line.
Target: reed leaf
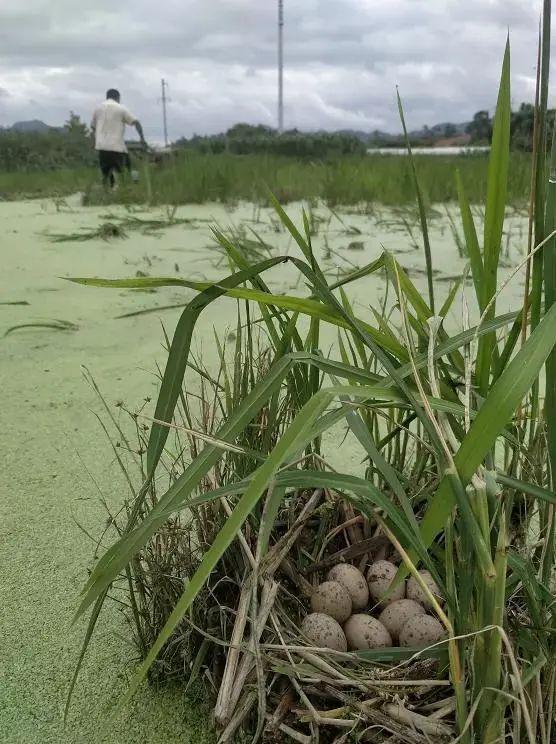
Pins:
x,y
421,206
494,215
502,401
471,242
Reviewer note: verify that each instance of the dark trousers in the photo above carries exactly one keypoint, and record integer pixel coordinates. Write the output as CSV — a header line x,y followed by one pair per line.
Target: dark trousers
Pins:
x,y
112,162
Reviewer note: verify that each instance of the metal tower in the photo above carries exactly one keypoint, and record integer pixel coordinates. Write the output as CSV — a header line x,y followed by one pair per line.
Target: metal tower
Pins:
x,y
164,117
280,66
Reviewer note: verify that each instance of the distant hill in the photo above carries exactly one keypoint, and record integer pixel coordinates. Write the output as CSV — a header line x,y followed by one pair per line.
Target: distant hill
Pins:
x,y
438,131
34,126
444,132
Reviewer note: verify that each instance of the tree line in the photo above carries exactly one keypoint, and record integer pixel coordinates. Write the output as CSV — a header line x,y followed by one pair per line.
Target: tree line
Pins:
x,y
70,146
521,127
67,147
246,139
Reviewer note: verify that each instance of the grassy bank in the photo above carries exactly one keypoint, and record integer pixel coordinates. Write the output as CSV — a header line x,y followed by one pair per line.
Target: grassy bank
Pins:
x,y
196,178
43,184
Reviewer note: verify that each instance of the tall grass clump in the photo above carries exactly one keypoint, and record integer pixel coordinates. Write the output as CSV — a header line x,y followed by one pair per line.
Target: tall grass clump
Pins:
x,y
196,178
238,513
44,184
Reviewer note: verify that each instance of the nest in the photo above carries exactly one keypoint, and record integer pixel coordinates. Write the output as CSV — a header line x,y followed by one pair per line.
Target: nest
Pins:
x,y
242,637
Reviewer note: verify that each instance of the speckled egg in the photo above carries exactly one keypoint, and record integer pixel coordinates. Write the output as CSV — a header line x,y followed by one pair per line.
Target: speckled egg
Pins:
x,y
324,632
396,615
415,591
353,580
364,632
380,576
421,630
333,599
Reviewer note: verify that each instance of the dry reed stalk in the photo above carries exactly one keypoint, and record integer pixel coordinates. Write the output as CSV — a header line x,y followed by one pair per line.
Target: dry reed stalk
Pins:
x,y
425,724
221,707
293,734
241,713
268,597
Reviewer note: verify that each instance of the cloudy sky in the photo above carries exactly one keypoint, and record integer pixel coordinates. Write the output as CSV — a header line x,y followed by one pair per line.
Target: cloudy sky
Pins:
x,y
343,60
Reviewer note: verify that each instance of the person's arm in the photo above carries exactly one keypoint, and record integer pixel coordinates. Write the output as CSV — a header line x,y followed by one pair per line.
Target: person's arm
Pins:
x,y
132,121
93,128
139,128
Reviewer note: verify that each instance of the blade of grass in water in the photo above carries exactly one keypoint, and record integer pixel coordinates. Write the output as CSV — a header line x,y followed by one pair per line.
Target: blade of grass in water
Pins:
x,y
532,196
540,194
313,308
56,325
421,205
471,242
494,215
178,355
550,395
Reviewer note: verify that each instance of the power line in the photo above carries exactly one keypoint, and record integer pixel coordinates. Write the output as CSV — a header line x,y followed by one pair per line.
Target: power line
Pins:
x,y
280,66
164,116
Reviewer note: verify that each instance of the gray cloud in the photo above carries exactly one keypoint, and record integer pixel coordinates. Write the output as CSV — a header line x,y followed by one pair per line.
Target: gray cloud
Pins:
x,y
343,59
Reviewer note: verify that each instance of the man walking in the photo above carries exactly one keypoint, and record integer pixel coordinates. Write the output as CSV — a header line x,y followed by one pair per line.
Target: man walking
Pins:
x,y
108,128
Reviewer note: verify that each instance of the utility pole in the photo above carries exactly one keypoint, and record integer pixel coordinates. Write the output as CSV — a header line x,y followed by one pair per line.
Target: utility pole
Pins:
x,y
164,117
280,66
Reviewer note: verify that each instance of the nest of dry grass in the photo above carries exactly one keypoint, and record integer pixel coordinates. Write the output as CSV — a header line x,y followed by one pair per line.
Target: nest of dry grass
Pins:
x,y
242,637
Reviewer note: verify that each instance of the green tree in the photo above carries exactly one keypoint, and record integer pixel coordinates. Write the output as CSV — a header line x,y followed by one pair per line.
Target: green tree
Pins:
x,y
480,128
521,127
75,127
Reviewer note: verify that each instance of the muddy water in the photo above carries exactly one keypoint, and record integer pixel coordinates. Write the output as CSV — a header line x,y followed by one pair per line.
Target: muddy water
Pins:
x,y
56,460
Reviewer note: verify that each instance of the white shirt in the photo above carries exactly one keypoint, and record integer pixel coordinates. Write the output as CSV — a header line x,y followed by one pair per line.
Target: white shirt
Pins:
x,y
109,122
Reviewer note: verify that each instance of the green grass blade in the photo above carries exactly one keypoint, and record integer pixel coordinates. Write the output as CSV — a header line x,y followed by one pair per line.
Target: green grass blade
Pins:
x,y
471,241
494,214
452,294
242,262
505,396
176,363
540,194
410,291
366,440
120,553
313,308
361,273
549,254
531,489
549,521
421,205
84,646
55,325
294,232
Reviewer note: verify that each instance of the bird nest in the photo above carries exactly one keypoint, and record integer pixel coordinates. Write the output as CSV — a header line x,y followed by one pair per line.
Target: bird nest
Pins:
x,y
242,637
